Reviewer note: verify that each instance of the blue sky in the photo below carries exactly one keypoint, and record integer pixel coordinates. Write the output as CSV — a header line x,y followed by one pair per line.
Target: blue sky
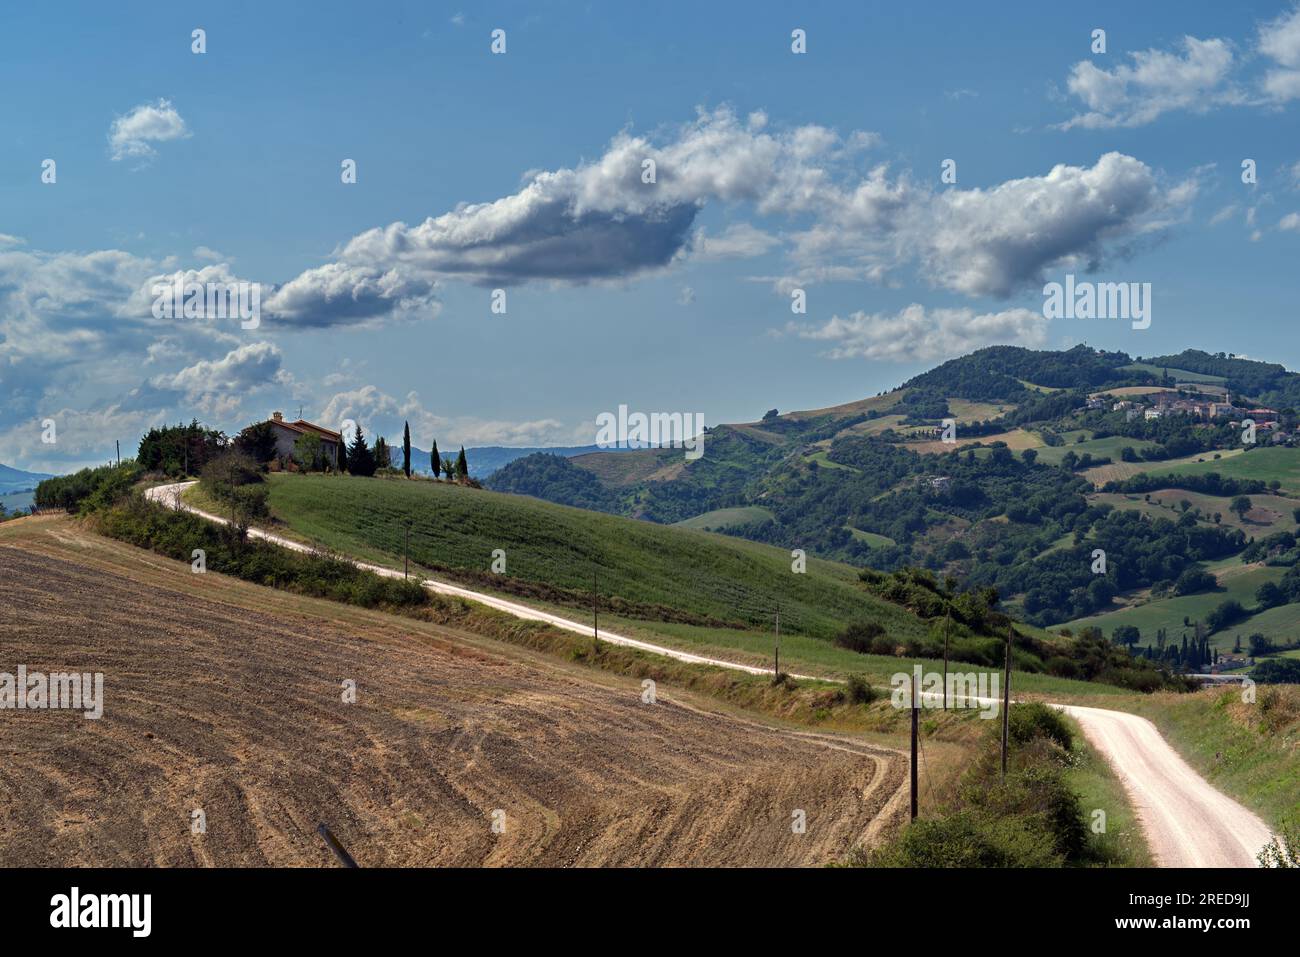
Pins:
x,y
522,171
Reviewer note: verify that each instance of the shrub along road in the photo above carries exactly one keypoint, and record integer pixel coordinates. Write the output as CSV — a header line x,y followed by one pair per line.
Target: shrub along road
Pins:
x,y
1186,821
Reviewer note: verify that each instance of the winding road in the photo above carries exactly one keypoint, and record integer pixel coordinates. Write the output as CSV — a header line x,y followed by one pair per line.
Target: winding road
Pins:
x,y
1187,822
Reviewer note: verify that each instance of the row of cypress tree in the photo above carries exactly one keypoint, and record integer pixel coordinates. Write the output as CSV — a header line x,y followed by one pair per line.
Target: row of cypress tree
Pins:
x,y
358,458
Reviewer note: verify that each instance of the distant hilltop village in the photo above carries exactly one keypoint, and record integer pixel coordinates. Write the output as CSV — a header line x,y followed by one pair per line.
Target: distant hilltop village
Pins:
x,y
1205,405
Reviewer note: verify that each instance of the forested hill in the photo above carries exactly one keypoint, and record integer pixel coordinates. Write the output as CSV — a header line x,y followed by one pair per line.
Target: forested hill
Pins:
x,y
1055,455
1001,372
1269,382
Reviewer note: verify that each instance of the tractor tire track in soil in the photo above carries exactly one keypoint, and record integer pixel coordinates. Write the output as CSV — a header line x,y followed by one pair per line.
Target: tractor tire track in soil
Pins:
x,y
238,711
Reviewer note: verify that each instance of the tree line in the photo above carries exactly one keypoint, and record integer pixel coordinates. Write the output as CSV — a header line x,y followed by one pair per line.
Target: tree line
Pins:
x,y
358,457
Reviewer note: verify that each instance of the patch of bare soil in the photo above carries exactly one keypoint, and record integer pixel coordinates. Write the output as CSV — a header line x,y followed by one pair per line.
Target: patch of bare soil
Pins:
x,y
218,702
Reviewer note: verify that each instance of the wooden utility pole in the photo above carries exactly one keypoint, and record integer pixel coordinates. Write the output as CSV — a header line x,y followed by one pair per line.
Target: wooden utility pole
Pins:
x,y
915,716
595,610
1006,704
776,664
118,444
406,567
947,627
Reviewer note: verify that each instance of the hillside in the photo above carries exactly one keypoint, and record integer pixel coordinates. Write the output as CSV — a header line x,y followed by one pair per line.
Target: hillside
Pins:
x,y
657,573
1055,455
486,459
704,593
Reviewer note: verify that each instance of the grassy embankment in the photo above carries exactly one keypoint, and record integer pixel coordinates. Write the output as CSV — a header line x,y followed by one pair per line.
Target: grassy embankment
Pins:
x,y
1058,805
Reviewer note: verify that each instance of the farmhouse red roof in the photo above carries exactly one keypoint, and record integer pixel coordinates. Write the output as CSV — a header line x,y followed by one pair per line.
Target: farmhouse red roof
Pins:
x,y
303,425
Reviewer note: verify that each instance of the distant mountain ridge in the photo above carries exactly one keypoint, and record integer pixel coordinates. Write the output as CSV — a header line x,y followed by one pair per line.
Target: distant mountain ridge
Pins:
x,y
486,459
16,480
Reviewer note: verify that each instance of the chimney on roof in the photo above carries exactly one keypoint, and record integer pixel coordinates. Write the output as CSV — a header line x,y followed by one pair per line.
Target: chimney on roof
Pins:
x,y
277,416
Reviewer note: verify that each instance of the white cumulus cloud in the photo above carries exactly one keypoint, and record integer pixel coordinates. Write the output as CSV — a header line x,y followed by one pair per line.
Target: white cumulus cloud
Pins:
x,y
917,334
1195,78
131,136
1279,40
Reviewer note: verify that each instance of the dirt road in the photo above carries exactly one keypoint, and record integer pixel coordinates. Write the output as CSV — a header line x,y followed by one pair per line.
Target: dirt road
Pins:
x,y
227,698
1186,821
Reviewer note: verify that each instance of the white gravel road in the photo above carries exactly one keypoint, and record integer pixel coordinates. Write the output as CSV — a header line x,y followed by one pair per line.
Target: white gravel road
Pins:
x,y
1186,821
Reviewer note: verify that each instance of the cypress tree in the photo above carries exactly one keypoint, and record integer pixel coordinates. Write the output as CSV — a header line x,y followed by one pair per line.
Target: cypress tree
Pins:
x,y
462,466
406,448
434,460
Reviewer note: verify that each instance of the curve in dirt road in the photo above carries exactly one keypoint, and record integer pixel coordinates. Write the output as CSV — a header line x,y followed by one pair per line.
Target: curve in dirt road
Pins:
x,y
1186,821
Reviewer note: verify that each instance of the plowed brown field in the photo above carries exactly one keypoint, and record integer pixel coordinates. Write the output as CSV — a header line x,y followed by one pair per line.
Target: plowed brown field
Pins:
x,y
227,697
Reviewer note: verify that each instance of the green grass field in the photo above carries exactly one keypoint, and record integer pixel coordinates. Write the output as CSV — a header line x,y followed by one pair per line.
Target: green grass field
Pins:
x,y
808,655
1282,624
629,466
1038,388
457,529
1265,464
1179,375
823,460
964,410
1109,447
1168,613
874,539
1117,470
725,517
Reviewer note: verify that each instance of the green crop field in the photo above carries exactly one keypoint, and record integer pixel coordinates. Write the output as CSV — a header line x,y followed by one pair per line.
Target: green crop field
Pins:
x,y
1266,464
1236,583
457,529
823,460
874,539
1117,471
1282,624
1109,447
1179,375
721,518
680,587
814,656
